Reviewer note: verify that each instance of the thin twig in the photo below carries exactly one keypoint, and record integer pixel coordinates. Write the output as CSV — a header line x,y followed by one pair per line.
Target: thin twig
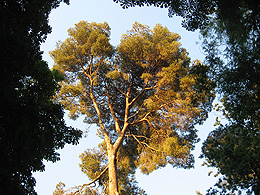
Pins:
x,y
136,112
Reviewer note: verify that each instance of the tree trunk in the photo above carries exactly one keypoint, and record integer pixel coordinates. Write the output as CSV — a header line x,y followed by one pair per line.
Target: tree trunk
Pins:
x,y
113,188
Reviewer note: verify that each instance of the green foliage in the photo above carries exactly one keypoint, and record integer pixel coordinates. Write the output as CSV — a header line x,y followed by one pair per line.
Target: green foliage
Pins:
x,y
232,46
94,161
197,14
230,31
31,125
169,152
234,150
144,95
194,13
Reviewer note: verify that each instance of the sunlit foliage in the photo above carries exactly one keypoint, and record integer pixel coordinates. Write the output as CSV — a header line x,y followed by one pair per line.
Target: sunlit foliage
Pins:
x,y
144,95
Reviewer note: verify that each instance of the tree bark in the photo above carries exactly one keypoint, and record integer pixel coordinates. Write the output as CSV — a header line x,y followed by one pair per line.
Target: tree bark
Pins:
x,y
113,188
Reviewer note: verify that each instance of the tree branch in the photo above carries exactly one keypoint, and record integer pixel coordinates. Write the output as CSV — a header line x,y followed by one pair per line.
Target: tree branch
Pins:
x,y
136,112
143,143
84,71
144,89
141,136
93,181
120,90
93,97
141,120
91,65
95,72
117,127
100,118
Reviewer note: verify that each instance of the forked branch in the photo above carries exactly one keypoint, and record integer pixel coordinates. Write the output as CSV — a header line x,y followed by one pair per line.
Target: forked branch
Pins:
x,y
145,144
93,181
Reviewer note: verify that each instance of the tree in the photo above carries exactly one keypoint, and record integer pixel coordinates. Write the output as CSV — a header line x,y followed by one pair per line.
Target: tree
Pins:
x,y
144,96
232,48
234,150
197,14
31,124
230,31
232,51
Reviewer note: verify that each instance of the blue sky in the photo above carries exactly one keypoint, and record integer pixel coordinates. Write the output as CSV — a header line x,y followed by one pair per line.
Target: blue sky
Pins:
x,y
165,181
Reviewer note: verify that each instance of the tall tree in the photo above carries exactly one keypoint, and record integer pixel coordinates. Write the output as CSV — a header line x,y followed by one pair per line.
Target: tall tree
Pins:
x,y
145,97
31,125
230,30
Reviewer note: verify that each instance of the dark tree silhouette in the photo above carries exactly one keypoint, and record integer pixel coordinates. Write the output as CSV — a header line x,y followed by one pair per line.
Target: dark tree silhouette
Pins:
x,y
31,125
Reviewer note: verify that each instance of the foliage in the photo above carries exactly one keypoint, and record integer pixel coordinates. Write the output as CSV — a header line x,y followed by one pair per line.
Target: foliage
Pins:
x,y
144,96
94,161
59,189
234,150
194,13
232,47
31,125
230,30
233,55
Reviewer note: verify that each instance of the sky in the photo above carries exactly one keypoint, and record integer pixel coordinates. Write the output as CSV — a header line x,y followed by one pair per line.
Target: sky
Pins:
x,y
165,181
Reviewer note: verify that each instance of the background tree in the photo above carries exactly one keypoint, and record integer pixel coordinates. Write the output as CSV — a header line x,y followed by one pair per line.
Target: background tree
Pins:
x,y
234,150
31,125
145,97
197,14
232,48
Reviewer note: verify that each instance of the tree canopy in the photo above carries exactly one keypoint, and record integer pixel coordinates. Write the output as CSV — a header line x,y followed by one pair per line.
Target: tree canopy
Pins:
x,y
145,96
196,14
232,51
234,150
31,125
230,31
